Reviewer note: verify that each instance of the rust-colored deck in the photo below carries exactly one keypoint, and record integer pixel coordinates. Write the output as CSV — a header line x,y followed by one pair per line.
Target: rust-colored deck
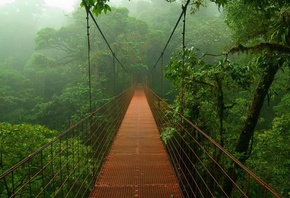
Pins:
x,y
137,165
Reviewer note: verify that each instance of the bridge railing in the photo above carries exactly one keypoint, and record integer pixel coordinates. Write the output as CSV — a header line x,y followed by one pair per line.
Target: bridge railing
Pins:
x,y
204,168
68,165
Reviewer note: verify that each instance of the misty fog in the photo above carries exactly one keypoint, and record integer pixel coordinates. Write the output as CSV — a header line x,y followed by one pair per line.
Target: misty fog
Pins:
x,y
22,22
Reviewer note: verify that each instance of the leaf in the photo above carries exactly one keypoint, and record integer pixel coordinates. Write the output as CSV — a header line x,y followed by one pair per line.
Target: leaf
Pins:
x,y
167,134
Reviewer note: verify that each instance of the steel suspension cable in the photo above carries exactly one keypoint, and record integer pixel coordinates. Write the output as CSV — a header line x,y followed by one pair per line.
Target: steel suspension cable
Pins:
x,y
102,34
106,41
171,35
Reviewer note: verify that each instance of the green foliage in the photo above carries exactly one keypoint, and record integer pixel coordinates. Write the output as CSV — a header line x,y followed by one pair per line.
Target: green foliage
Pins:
x,y
209,92
167,134
63,162
219,91
238,17
257,4
272,25
53,88
203,31
97,6
269,159
239,74
20,140
280,29
213,91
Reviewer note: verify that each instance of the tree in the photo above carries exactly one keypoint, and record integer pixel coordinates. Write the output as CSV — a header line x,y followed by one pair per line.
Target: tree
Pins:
x,y
263,46
20,135
65,156
271,35
269,157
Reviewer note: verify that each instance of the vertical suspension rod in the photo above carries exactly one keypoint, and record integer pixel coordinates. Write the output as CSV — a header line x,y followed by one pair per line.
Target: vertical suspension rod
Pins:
x,y
89,60
90,83
184,8
162,73
114,72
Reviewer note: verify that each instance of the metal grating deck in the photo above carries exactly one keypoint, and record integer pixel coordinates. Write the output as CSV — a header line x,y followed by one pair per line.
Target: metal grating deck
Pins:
x,y
137,165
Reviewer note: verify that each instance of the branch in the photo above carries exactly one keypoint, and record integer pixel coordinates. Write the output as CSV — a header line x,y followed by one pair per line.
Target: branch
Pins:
x,y
230,106
65,60
215,55
271,47
61,46
200,82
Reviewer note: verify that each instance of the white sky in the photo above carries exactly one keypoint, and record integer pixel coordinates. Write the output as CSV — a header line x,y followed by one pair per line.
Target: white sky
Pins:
x,y
66,5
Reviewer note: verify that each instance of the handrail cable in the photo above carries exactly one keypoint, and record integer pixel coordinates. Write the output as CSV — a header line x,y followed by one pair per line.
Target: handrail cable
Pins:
x,y
65,133
102,34
200,142
171,35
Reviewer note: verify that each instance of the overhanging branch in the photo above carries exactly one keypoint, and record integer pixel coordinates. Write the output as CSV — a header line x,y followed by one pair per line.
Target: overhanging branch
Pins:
x,y
271,47
199,82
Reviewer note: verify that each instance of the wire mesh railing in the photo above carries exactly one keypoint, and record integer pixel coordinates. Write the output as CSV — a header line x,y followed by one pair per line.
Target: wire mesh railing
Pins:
x,y
204,168
68,165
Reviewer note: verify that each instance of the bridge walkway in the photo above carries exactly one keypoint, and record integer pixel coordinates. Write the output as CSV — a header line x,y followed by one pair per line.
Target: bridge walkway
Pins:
x,y
137,164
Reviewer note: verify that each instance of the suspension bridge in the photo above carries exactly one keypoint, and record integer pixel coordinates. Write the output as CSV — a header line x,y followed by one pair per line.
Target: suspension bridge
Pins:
x,y
121,155
116,151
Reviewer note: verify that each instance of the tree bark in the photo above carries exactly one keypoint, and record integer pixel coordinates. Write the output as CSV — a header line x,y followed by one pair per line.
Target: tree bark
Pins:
x,y
254,111
250,124
220,107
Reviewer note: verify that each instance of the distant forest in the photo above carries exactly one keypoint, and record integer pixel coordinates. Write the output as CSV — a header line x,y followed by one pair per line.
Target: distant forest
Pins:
x,y
230,80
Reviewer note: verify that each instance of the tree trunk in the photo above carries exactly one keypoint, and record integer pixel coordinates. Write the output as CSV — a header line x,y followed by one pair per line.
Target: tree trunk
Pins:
x,y
254,111
220,107
250,124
